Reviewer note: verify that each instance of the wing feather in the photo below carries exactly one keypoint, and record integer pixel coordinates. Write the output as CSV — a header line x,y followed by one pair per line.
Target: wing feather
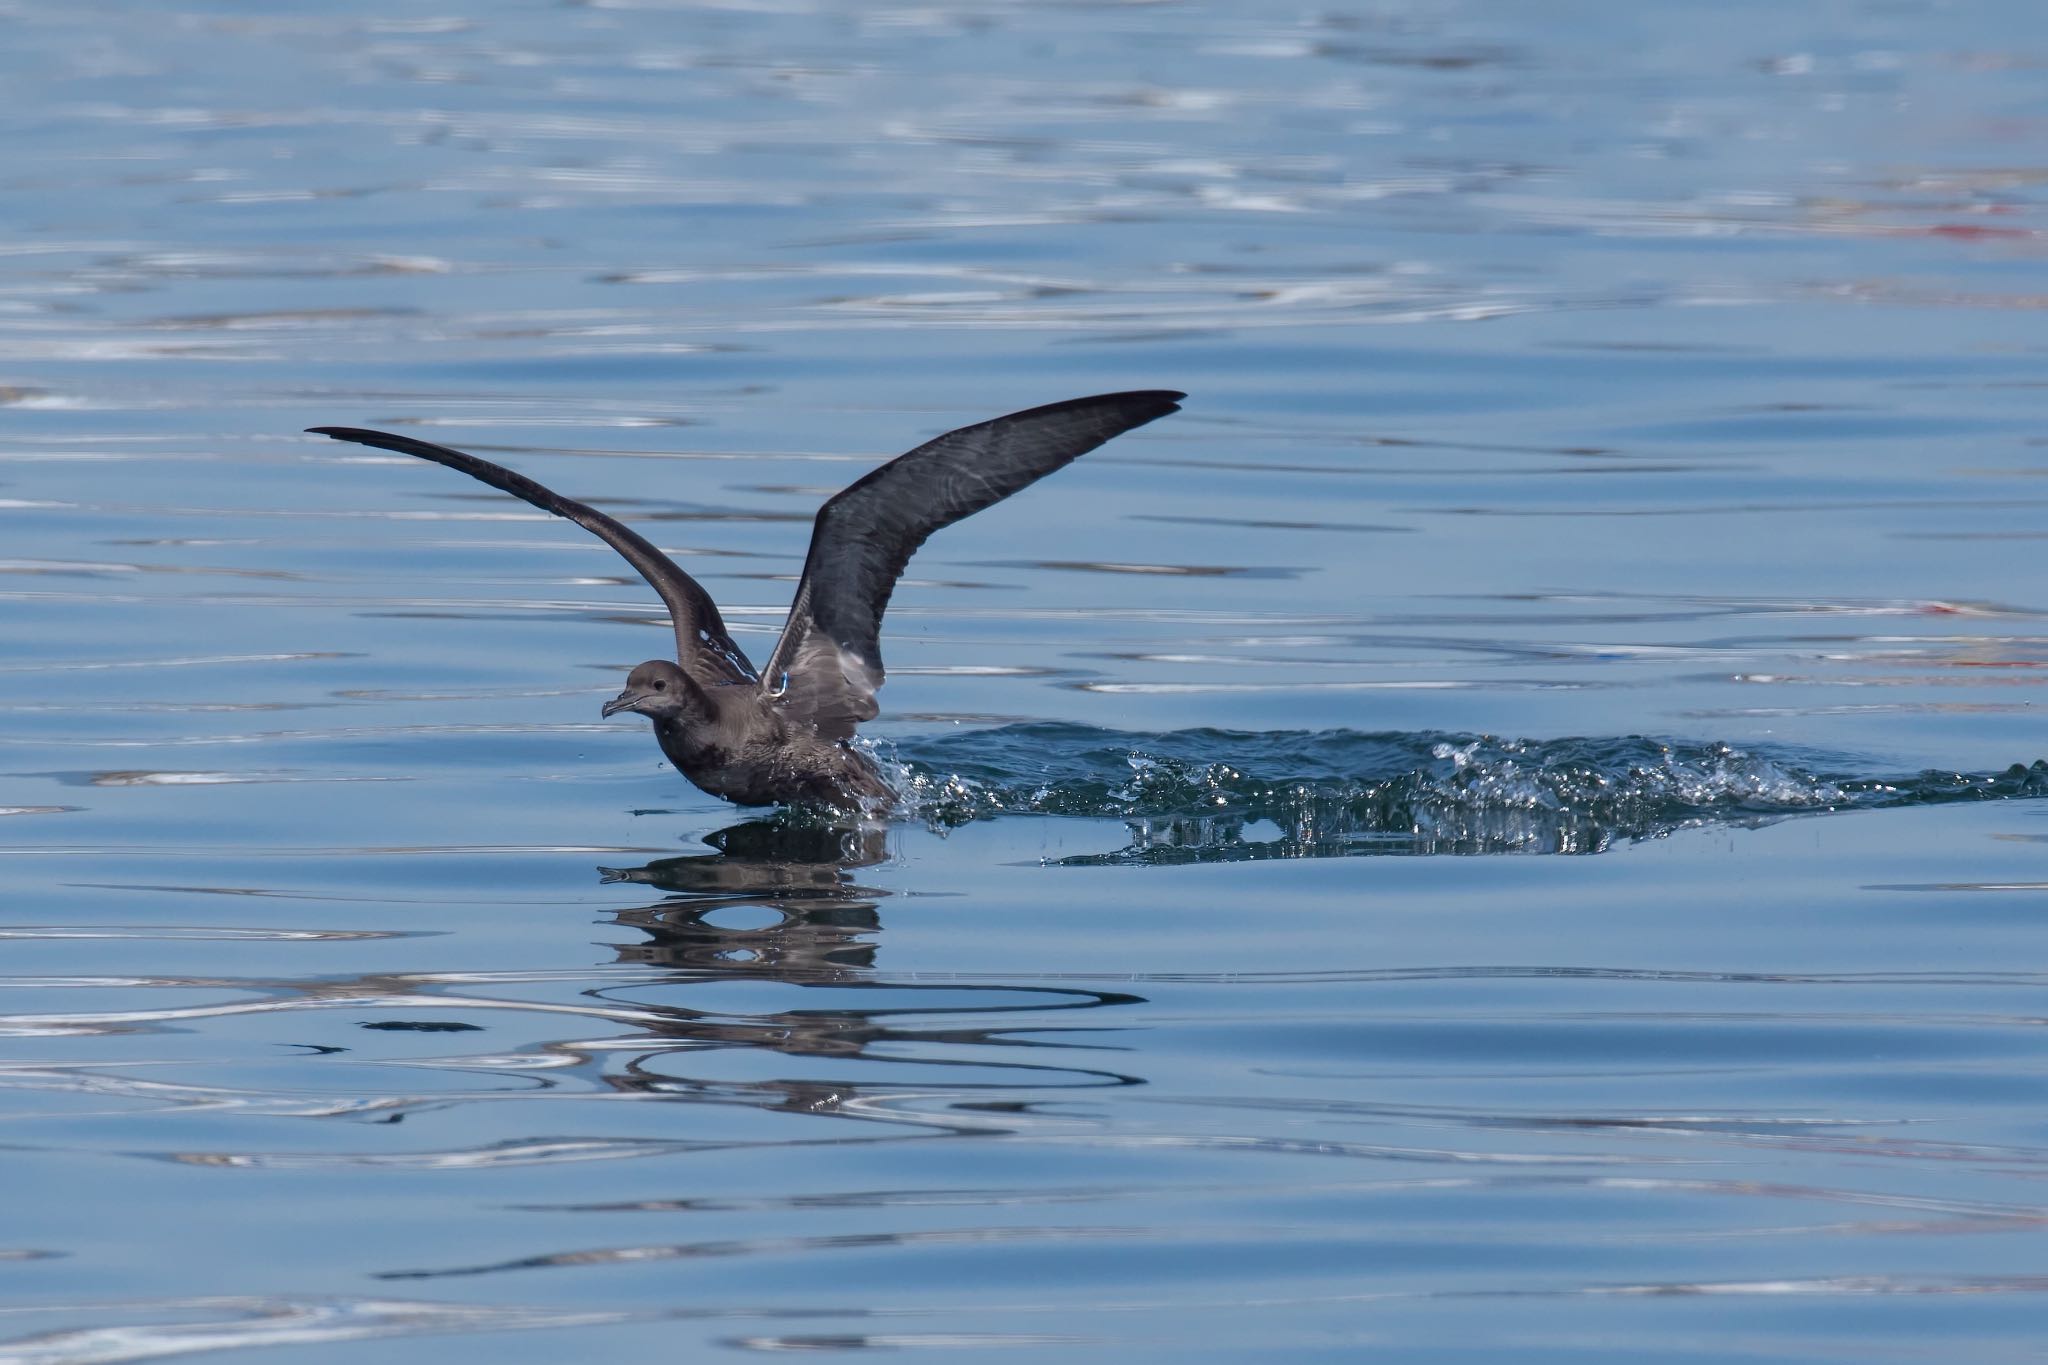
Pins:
x,y
703,647
828,664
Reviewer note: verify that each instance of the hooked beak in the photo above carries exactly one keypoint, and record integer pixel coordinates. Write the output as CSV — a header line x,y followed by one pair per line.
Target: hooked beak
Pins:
x,y
628,700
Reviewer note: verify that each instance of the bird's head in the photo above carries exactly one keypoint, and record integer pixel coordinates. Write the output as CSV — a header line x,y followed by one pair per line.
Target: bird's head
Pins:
x,y
656,689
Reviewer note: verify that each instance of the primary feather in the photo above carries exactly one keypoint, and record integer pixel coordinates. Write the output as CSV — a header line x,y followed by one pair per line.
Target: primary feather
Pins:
x,y
828,664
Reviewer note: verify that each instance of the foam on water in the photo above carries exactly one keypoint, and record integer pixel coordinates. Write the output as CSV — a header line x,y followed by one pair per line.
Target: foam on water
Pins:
x,y
1221,795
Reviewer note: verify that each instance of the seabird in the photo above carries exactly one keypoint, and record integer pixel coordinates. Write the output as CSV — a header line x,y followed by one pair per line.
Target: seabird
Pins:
x,y
780,734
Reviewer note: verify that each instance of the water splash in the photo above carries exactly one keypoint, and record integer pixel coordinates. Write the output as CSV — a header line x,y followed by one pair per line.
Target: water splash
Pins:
x,y
1220,795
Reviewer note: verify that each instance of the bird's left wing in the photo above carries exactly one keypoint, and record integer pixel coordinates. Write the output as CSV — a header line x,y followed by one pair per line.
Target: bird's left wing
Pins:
x,y
703,647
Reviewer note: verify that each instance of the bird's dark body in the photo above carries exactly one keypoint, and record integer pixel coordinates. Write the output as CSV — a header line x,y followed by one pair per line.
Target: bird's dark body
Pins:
x,y
781,735
754,758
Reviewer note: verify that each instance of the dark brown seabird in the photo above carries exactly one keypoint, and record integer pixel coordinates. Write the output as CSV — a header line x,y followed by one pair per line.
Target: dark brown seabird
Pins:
x,y
780,735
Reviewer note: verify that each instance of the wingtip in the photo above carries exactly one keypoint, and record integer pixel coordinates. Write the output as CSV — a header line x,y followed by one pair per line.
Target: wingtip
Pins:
x,y
358,435
1165,400
1161,402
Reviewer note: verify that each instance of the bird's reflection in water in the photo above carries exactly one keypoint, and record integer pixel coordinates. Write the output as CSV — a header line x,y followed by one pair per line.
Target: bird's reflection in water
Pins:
x,y
773,899
780,902
756,990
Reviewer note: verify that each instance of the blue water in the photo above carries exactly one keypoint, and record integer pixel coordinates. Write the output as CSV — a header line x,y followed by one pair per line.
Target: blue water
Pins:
x,y
1612,481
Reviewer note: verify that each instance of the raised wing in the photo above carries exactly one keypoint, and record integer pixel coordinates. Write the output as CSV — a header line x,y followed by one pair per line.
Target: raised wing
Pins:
x,y
703,648
828,664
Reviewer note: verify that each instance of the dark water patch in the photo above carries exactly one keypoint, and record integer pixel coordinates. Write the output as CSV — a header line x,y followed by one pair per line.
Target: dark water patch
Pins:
x,y
1169,570
135,777
1224,796
785,1246
202,933
1734,508
1957,886
420,1026
1270,524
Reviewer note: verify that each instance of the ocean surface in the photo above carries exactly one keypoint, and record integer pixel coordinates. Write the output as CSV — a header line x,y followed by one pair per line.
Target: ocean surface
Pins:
x,y
1513,828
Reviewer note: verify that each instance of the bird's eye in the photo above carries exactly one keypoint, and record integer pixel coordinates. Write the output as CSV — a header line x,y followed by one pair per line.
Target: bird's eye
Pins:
x,y
660,685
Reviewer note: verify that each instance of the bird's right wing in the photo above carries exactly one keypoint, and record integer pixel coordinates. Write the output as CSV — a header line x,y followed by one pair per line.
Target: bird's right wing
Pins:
x,y
828,664
703,647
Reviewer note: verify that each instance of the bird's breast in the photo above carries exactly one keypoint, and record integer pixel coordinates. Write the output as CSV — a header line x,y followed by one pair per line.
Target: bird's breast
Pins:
x,y
777,767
